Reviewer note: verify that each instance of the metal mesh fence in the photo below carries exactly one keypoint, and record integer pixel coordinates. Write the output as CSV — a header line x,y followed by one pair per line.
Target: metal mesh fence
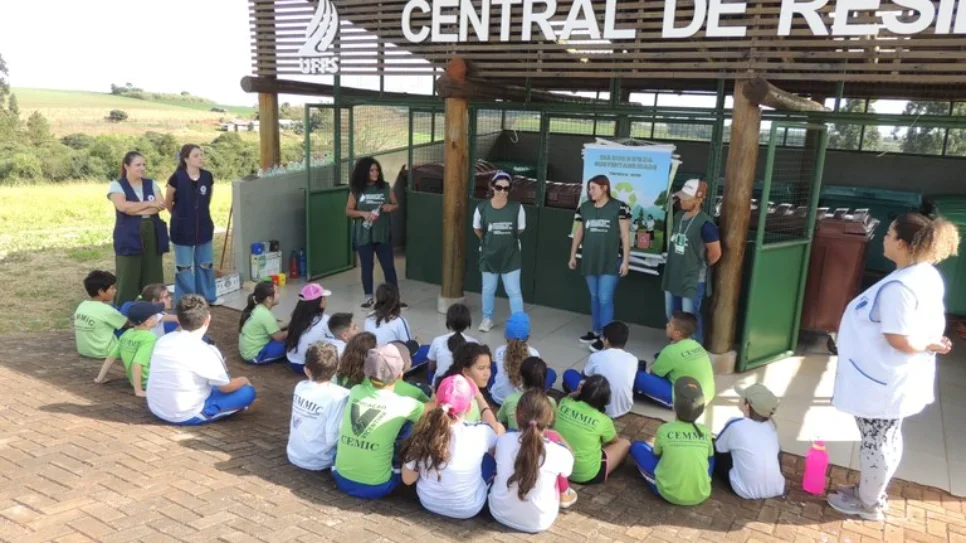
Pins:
x,y
378,128
585,125
321,136
426,154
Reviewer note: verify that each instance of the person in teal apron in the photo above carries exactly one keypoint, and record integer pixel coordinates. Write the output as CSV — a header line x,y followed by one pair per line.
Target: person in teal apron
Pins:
x,y
694,246
499,223
370,202
140,236
603,226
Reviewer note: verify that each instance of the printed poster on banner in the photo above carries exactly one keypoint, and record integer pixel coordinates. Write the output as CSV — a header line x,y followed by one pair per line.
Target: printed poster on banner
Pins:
x,y
640,176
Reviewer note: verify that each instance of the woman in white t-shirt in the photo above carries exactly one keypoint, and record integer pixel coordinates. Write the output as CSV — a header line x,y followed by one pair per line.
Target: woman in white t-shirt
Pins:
x,y
747,449
387,324
525,495
448,459
888,340
508,358
309,325
458,320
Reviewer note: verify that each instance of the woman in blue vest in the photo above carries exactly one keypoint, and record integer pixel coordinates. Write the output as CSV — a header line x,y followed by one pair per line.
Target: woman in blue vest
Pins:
x,y
189,199
370,202
140,236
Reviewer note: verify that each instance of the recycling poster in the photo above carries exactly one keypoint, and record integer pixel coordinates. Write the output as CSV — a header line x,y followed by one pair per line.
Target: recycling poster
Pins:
x,y
640,176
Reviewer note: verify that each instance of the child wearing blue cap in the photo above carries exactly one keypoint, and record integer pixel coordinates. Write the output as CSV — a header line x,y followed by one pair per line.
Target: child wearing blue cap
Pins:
x,y
135,346
507,359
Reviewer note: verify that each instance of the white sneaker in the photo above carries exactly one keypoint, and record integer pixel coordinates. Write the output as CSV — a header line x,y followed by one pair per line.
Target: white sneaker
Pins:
x,y
218,301
486,325
568,498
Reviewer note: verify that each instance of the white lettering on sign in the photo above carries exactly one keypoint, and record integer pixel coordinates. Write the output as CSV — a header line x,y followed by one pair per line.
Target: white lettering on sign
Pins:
x,y
459,21
314,55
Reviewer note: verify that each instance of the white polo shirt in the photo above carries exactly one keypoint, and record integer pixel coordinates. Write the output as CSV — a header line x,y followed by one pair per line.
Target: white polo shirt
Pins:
x,y
317,410
619,367
183,371
439,352
756,473
318,331
396,329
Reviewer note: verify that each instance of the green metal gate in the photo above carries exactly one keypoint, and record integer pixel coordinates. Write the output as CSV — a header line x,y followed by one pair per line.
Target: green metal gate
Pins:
x,y
328,247
783,223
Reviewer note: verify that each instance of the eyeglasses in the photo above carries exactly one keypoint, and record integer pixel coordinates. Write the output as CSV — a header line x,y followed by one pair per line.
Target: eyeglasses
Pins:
x,y
501,188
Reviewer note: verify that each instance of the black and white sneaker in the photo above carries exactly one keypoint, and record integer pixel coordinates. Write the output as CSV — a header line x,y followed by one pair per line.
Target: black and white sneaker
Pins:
x,y
368,303
403,305
596,346
588,338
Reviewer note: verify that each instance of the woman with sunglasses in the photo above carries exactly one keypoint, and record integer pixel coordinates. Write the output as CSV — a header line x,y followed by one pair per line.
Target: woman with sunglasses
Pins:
x,y
499,222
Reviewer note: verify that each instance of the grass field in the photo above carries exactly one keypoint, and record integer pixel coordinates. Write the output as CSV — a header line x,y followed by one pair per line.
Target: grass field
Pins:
x,y
51,236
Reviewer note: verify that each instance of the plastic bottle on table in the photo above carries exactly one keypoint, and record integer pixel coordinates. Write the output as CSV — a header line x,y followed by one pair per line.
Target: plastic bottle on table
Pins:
x,y
816,464
303,264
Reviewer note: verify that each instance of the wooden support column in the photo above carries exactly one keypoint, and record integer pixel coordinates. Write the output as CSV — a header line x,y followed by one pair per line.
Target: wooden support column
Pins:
x,y
455,192
268,134
735,216
270,148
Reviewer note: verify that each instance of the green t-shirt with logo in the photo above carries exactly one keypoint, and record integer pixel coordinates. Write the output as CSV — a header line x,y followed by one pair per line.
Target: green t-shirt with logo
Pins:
x,y
687,260
257,332
367,436
135,348
404,389
602,236
94,326
686,357
585,429
370,200
682,472
500,246
508,411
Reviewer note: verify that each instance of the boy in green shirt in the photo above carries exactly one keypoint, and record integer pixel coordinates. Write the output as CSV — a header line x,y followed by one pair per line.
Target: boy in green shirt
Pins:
x,y
678,467
374,422
135,346
683,357
96,320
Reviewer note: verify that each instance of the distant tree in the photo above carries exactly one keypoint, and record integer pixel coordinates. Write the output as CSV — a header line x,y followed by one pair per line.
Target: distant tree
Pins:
x,y
928,140
14,106
117,116
847,136
38,129
78,141
185,93
4,84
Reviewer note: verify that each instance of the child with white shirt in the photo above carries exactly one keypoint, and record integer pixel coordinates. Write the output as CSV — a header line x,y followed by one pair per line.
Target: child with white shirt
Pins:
x,y
317,407
387,323
458,320
506,377
614,363
525,495
341,330
747,449
309,325
448,458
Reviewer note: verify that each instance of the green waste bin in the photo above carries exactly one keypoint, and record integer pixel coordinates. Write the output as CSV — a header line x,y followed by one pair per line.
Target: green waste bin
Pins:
x,y
884,205
953,269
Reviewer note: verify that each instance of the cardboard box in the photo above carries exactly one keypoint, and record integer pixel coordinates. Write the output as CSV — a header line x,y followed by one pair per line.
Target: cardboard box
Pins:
x,y
266,264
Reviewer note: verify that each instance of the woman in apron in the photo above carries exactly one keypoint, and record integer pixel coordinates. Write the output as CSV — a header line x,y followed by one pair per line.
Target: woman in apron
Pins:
x,y
499,223
603,226
887,343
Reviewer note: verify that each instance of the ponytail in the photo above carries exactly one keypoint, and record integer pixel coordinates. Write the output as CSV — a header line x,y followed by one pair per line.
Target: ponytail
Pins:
x,y
263,290
458,318
534,415
455,341
928,239
128,159
428,446
516,352
183,155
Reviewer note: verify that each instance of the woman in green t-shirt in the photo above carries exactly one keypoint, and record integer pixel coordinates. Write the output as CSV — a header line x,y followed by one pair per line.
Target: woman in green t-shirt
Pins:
x,y
499,223
370,202
603,226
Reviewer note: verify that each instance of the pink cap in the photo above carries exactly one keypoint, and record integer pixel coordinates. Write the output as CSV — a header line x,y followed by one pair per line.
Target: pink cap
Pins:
x,y
456,394
313,291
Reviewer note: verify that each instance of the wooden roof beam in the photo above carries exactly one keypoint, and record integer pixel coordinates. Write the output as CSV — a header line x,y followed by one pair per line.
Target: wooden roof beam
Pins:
x,y
762,93
470,88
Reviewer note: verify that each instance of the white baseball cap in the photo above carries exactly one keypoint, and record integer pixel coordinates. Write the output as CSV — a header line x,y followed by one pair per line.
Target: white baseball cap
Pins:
x,y
693,188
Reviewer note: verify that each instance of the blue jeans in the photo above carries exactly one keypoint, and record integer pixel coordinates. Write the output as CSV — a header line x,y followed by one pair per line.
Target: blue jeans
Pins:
x,y
511,283
646,460
364,491
220,405
367,255
194,267
601,288
654,387
674,303
275,350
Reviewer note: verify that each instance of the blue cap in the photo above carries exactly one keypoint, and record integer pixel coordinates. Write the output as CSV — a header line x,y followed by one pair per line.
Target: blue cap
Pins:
x,y
517,326
142,311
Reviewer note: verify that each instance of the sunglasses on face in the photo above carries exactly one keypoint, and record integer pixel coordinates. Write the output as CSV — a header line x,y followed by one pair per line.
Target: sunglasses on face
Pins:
x,y
501,188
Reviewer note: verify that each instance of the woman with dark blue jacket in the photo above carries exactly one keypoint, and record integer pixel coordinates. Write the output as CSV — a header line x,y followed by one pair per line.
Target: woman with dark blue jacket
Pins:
x,y
192,230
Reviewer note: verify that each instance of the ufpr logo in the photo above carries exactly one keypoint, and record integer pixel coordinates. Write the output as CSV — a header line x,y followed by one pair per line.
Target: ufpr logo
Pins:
x,y
315,56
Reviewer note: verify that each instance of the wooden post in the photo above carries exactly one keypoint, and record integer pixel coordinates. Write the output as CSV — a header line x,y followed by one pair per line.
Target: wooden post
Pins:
x,y
268,135
735,216
455,182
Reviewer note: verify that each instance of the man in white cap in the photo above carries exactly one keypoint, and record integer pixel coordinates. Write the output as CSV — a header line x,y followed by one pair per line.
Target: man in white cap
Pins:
x,y
693,246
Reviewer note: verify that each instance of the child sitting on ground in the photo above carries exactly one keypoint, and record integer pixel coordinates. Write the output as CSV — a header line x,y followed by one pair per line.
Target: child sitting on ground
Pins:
x,y
156,293
472,360
309,325
341,330
352,367
135,346
682,357
317,411
508,358
95,320
261,340
584,425
449,459
678,468
374,423
388,324
458,320
189,384
747,449
534,374
525,494
613,362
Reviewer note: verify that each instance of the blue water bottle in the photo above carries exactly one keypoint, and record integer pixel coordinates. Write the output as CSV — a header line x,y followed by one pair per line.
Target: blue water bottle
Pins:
x,y
303,265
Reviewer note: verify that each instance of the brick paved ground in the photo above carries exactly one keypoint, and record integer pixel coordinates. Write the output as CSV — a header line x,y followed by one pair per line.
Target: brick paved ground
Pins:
x,y
81,462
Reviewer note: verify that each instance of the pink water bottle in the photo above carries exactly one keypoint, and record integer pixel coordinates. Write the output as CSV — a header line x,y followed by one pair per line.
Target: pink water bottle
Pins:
x,y
816,462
